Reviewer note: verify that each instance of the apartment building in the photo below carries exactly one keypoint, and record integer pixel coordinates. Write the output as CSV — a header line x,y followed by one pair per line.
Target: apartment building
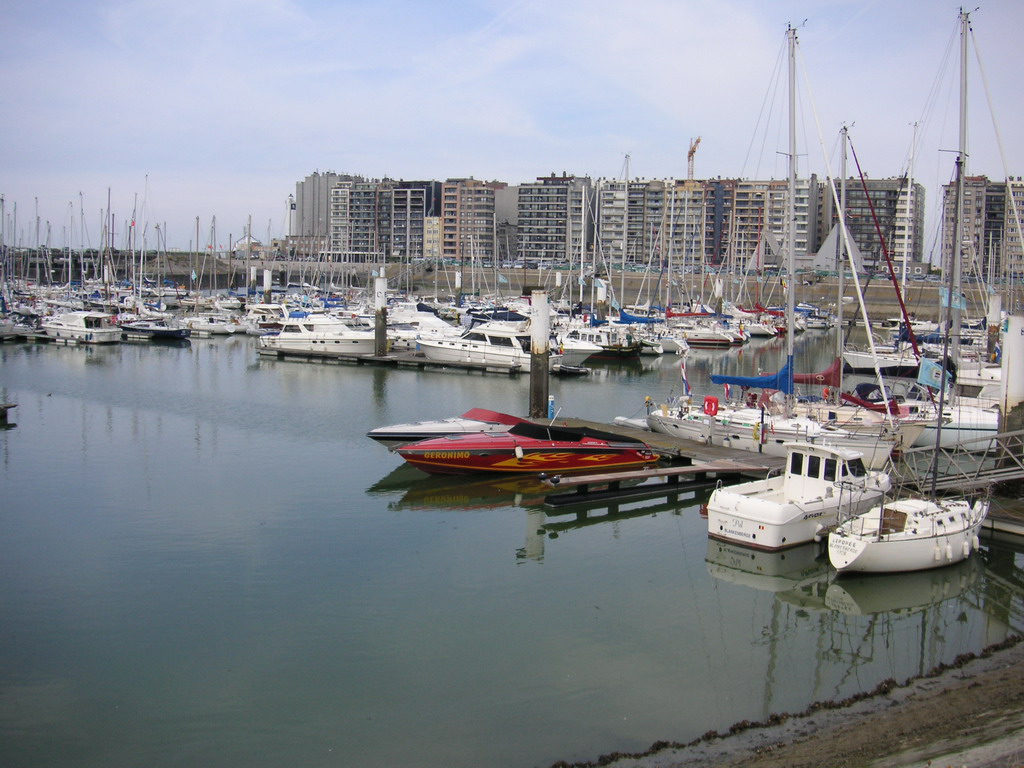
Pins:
x,y
553,223
310,212
360,220
469,219
992,211
896,206
745,222
411,203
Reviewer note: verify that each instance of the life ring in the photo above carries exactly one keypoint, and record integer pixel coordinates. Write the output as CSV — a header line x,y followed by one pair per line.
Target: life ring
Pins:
x,y
711,405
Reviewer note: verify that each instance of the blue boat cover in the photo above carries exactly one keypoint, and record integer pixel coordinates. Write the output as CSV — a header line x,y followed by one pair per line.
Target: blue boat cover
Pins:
x,y
783,380
626,318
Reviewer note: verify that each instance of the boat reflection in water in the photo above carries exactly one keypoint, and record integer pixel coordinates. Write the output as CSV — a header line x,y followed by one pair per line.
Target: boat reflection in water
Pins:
x,y
903,592
798,569
801,577
458,491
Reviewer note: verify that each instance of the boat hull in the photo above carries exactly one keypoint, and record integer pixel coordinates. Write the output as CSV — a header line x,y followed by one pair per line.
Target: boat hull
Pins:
x,y
913,535
737,515
528,449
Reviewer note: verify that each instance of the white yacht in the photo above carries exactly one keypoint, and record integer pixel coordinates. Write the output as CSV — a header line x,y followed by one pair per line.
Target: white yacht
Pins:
x,y
495,344
794,508
83,327
320,336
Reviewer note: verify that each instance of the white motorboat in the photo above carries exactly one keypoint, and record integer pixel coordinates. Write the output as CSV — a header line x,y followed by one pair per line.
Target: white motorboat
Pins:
x,y
575,351
706,335
83,327
794,508
613,341
320,336
473,420
911,534
213,324
496,344
156,328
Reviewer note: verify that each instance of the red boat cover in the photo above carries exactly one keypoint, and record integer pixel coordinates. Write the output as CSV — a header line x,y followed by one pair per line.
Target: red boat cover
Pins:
x,y
827,378
482,414
773,312
894,407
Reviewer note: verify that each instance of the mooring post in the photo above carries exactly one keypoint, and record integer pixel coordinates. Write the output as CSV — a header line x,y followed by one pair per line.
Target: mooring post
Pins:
x,y
1011,401
540,345
380,323
267,283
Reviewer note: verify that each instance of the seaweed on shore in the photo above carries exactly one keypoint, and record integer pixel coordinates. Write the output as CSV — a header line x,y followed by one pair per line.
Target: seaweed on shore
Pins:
x,y
883,688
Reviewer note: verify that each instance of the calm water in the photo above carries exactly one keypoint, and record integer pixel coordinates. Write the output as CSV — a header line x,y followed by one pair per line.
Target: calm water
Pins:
x,y
204,561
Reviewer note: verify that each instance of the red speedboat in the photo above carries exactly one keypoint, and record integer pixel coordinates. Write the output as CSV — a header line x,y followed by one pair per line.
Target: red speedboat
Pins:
x,y
528,448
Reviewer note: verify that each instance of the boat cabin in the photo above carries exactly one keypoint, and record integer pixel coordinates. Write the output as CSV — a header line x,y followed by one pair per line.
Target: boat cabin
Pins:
x,y
812,471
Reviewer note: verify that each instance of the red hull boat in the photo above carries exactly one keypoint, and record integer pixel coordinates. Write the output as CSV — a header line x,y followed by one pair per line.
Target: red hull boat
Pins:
x,y
528,448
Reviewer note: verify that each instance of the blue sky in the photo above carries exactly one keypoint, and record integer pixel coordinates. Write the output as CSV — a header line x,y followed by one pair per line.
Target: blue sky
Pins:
x,y
203,108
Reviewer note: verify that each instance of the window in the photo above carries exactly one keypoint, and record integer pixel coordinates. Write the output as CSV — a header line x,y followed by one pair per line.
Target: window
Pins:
x,y
830,470
796,464
814,466
855,467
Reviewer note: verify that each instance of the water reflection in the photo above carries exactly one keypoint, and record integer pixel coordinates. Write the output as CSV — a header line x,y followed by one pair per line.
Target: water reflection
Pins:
x,y
801,576
903,593
458,491
790,570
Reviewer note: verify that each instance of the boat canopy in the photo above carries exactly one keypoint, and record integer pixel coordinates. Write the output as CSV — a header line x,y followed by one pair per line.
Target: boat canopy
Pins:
x,y
626,317
827,378
783,380
567,434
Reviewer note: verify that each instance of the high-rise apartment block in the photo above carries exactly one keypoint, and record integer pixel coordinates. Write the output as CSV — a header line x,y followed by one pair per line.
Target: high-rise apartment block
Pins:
x,y
468,219
891,207
738,224
991,216
553,226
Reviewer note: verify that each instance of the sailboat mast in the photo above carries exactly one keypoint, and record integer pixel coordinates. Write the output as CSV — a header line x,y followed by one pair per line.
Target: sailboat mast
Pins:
x,y
841,262
791,218
956,278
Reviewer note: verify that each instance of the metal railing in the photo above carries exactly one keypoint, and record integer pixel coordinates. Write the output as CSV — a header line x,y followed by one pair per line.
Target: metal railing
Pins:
x,y
968,465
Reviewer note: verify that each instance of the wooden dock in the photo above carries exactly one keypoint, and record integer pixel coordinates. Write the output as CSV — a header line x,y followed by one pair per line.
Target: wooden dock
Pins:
x,y
697,467
412,360
678,449
644,483
393,360
1005,519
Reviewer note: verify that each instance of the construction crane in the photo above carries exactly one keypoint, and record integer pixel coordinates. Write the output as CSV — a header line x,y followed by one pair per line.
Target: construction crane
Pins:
x,y
689,157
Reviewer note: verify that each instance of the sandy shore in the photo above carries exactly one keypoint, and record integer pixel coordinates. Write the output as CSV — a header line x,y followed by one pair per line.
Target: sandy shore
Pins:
x,y
968,714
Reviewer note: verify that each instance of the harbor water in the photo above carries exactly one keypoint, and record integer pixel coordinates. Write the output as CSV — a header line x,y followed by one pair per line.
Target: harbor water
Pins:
x,y
205,561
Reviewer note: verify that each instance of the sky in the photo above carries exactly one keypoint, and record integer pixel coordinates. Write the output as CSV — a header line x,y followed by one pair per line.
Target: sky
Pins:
x,y
199,115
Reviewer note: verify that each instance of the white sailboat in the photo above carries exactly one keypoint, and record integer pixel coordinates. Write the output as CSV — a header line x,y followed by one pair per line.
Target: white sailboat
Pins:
x,y
918,533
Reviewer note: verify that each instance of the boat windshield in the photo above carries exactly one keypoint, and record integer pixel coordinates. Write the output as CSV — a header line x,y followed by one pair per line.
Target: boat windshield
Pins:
x,y
855,468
